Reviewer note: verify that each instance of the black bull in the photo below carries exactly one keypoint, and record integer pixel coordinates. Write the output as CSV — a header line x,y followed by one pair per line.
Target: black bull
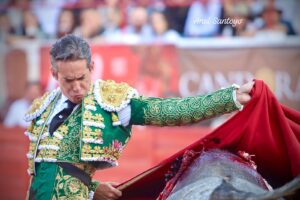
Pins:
x,y
218,174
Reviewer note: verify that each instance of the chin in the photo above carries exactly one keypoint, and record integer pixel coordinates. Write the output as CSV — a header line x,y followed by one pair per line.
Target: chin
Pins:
x,y
77,100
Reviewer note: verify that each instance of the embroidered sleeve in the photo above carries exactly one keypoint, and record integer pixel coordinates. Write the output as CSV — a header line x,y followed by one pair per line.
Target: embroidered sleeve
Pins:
x,y
181,111
113,96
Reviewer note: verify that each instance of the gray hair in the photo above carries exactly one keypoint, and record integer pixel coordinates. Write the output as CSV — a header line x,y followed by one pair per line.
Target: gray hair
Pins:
x,y
68,48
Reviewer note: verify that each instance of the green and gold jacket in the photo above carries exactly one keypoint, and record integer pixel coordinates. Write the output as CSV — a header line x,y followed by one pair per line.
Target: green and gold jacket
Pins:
x,y
93,137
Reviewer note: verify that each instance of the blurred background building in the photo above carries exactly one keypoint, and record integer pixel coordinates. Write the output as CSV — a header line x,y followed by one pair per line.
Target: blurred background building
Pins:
x,y
162,48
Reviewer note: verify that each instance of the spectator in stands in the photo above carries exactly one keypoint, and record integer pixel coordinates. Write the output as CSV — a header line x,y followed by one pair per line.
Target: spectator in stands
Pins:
x,y
11,19
176,13
91,25
288,24
160,28
238,11
112,15
47,12
272,27
290,14
138,29
286,12
66,23
231,7
31,28
17,110
6,28
201,19
15,13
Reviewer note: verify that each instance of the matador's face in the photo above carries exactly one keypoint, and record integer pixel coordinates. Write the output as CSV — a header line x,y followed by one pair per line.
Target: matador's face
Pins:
x,y
74,78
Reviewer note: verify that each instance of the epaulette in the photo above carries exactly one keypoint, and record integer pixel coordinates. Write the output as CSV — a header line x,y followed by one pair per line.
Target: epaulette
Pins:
x,y
39,105
112,96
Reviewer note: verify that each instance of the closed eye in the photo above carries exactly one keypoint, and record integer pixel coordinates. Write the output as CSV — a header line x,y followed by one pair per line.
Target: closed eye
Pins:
x,y
69,80
81,78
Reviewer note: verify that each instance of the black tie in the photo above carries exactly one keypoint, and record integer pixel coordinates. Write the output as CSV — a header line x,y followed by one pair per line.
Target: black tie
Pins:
x,y
60,117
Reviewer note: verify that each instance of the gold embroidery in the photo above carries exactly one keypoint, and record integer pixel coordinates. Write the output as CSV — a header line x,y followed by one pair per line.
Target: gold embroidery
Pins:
x,y
86,149
89,100
30,165
115,119
37,103
50,141
31,127
37,130
32,147
46,113
89,133
51,144
183,111
98,150
109,153
92,117
113,93
63,130
47,153
68,187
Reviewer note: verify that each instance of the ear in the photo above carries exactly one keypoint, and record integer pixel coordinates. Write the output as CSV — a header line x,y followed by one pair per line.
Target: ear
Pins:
x,y
54,73
92,65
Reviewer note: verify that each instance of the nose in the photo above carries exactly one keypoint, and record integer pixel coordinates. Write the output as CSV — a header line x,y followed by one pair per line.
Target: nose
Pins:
x,y
76,87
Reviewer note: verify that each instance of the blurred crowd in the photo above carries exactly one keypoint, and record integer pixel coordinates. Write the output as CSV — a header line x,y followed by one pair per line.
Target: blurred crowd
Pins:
x,y
146,20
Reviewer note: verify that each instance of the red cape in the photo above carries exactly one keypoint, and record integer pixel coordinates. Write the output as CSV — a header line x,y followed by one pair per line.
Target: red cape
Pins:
x,y
264,128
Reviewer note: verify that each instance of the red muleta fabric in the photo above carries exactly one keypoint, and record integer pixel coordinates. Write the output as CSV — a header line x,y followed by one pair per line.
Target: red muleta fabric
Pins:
x,y
264,128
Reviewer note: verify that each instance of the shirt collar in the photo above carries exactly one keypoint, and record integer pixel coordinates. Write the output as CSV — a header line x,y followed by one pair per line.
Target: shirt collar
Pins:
x,y
62,100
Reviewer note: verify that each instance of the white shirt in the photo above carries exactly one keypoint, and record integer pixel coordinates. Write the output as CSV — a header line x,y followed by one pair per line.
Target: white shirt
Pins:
x,y
59,106
201,20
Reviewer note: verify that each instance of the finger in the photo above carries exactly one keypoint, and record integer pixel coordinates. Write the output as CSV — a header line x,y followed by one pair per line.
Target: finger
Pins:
x,y
114,184
114,191
246,88
251,84
117,192
245,99
115,195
